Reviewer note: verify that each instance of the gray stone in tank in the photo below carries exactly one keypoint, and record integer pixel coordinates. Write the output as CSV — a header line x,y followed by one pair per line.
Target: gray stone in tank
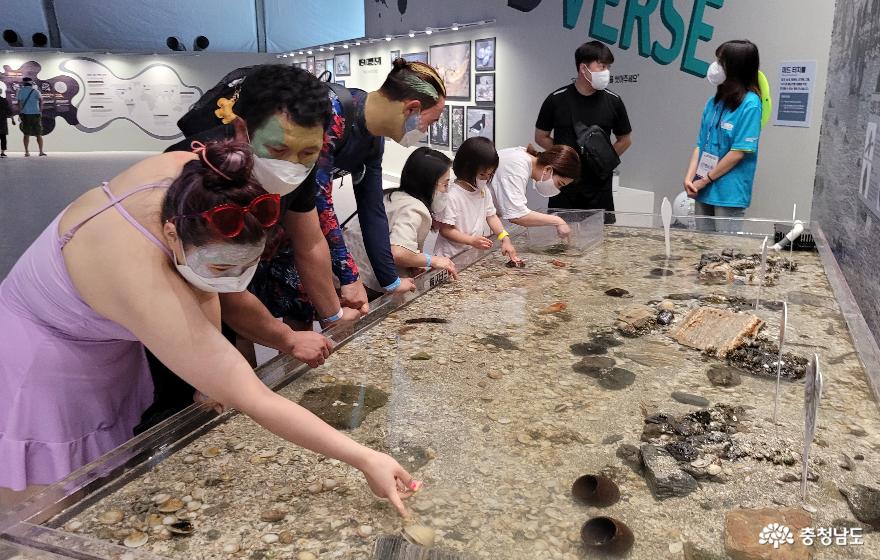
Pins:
x,y
663,475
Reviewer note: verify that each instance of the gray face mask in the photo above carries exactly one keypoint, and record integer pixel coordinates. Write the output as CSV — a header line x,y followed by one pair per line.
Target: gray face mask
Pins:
x,y
412,135
196,266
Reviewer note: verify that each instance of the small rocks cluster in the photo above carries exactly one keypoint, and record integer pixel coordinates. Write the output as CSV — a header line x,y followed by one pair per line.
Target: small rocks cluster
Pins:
x,y
730,266
760,356
679,450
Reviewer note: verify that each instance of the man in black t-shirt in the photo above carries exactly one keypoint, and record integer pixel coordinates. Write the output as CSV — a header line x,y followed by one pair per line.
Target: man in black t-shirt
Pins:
x,y
588,102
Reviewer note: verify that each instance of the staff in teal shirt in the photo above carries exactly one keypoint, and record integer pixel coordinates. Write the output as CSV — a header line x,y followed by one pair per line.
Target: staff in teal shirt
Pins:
x,y
721,171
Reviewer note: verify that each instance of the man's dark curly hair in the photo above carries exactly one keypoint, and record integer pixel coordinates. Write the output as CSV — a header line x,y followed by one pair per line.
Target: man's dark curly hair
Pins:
x,y
276,88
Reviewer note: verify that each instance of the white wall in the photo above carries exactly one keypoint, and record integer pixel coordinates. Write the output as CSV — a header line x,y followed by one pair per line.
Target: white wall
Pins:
x,y
535,55
202,70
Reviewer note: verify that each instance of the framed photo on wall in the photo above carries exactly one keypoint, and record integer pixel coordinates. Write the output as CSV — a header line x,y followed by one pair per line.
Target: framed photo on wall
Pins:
x,y
342,63
310,64
484,90
328,66
439,131
319,67
415,57
484,54
456,126
394,56
453,62
481,122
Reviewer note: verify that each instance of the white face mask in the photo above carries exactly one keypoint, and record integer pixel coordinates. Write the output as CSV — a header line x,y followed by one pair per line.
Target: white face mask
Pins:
x,y
411,133
482,183
546,187
438,205
280,176
716,75
600,79
219,253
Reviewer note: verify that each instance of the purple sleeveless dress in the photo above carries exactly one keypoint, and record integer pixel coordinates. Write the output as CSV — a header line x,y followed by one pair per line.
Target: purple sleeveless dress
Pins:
x,y
73,384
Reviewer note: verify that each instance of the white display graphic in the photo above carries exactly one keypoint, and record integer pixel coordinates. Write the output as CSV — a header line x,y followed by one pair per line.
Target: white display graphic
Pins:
x,y
153,99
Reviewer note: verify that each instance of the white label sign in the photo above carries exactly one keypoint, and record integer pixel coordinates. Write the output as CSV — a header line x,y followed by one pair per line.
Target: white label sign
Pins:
x,y
795,93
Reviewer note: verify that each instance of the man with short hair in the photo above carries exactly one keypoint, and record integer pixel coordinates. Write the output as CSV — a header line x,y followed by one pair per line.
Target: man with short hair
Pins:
x,y
30,109
585,103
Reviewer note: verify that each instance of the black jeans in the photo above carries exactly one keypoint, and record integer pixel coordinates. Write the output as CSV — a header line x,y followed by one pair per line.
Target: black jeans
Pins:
x,y
2,142
588,193
171,394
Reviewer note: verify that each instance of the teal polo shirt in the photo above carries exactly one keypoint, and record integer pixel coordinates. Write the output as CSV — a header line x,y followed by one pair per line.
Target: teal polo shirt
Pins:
x,y
723,130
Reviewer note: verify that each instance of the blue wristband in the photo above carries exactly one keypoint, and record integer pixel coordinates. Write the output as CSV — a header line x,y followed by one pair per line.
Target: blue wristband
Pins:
x,y
333,318
428,257
392,286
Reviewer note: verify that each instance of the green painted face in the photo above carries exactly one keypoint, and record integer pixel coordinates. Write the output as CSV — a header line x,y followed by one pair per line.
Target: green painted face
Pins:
x,y
280,138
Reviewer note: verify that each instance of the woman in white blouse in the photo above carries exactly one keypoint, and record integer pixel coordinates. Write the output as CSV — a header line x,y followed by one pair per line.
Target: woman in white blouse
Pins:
x,y
424,182
548,170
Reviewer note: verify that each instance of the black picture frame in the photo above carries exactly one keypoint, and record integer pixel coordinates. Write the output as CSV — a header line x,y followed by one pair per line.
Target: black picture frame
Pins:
x,y
456,126
342,64
421,56
482,94
449,66
482,65
480,121
439,131
394,56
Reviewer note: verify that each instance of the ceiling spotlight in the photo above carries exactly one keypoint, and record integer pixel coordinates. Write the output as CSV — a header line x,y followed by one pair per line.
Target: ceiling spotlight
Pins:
x,y
357,43
387,37
12,38
428,31
309,52
412,33
40,40
283,56
332,47
300,52
345,46
200,43
321,49
174,44
455,27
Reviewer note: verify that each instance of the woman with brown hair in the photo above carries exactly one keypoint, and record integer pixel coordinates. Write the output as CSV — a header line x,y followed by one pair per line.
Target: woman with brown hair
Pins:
x,y
139,262
548,171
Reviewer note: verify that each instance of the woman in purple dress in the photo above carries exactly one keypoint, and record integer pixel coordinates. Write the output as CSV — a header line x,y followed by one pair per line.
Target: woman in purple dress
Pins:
x,y
139,262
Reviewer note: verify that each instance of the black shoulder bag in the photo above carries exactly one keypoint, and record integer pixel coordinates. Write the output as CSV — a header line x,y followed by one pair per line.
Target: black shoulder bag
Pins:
x,y
594,147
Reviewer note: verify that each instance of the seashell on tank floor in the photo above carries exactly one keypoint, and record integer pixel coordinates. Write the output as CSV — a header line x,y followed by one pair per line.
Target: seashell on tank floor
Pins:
x,y
181,528
171,505
211,452
135,539
111,517
420,535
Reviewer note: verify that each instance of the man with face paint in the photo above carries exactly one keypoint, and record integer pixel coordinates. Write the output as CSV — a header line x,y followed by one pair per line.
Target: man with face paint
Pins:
x,y
411,98
284,126
280,111
587,102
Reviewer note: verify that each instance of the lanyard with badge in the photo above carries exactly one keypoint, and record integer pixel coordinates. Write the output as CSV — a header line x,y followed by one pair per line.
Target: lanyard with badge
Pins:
x,y
708,160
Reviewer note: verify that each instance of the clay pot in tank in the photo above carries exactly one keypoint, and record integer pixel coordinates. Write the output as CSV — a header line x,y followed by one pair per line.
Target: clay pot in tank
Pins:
x,y
607,535
595,490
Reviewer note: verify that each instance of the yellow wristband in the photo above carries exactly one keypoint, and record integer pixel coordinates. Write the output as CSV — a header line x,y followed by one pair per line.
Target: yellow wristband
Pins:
x,y
502,235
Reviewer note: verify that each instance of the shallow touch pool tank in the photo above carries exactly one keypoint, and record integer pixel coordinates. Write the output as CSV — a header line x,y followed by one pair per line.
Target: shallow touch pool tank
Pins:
x,y
532,413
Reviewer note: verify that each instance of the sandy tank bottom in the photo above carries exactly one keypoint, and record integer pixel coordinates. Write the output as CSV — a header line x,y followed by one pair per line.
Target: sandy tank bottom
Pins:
x,y
497,409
